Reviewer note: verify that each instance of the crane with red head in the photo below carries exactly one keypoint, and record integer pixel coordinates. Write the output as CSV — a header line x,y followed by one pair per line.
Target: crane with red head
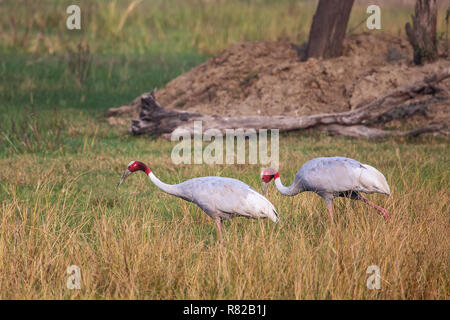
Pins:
x,y
219,197
332,177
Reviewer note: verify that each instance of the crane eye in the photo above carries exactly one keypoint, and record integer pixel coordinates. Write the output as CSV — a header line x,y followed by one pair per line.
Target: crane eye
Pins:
x,y
132,167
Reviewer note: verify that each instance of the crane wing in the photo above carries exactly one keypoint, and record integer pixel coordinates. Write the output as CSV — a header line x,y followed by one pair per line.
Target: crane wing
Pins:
x,y
338,174
228,197
373,180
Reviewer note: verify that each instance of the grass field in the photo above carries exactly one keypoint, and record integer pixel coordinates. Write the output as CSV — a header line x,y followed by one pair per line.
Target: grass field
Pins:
x,y
60,163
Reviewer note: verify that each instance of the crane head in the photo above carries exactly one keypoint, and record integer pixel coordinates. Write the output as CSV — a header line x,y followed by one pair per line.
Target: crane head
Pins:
x,y
133,166
266,176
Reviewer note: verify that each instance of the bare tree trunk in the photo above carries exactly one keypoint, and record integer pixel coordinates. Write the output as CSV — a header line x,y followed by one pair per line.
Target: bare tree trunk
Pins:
x,y
328,29
422,35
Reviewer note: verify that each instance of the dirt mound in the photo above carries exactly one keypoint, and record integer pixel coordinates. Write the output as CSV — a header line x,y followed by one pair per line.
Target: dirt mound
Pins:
x,y
268,78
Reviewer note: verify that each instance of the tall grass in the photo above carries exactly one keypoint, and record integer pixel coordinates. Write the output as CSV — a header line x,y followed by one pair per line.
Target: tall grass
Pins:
x,y
60,163
206,26
137,242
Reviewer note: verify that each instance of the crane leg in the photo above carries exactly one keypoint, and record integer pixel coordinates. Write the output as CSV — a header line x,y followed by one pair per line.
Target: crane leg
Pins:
x,y
219,228
383,211
330,210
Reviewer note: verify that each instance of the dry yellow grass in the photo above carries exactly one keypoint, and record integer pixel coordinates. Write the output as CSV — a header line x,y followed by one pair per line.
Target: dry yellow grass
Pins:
x,y
140,243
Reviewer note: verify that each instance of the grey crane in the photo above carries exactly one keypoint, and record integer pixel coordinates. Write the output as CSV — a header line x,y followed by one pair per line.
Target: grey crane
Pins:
x,y
220,198
332,177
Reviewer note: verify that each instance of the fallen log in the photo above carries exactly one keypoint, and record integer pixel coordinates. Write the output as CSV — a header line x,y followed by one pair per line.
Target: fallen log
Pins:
x,y
402,103
360,131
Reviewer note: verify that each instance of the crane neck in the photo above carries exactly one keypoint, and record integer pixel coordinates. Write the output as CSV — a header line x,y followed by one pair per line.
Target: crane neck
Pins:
x,y
167,188
292,190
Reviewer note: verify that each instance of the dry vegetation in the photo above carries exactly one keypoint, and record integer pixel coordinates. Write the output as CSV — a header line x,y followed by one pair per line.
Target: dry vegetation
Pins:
x,y
209,26
268,78
60,163
140,243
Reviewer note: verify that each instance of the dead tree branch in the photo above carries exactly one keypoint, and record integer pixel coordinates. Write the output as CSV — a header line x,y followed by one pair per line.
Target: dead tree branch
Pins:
x,y
401,103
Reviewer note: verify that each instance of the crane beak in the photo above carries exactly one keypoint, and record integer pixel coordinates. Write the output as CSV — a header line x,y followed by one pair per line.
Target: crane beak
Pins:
x,y
265,186
124,176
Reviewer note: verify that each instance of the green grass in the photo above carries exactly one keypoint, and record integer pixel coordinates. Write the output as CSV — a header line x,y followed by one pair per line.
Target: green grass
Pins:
x,y
60,163
162,26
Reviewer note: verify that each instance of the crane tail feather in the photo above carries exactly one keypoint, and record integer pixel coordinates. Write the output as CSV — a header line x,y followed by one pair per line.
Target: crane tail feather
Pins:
x,y
374,180
265,208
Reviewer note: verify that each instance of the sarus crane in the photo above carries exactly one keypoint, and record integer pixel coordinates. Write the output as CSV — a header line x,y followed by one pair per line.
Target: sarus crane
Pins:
x,y
219,197
332,177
